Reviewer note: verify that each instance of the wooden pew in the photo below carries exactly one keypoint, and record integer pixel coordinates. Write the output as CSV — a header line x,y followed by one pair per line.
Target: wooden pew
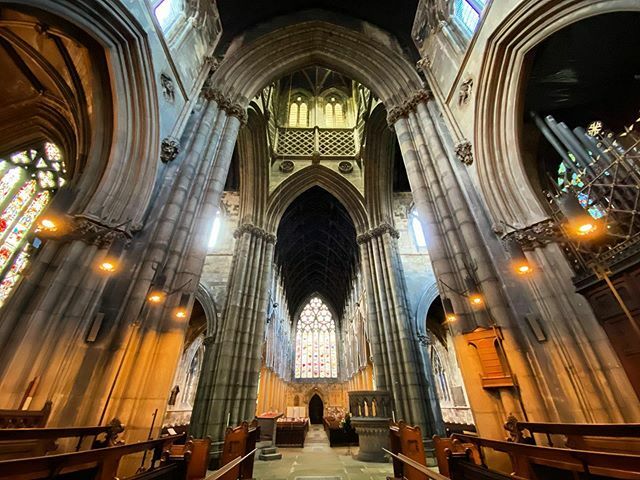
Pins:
x,y
33,442
25,418
406,441
447,448
195,453
239,442
600,437
531,462
99,464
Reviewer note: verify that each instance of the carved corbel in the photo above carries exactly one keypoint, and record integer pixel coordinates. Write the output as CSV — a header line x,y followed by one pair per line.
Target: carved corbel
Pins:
x,y
464,152
169,149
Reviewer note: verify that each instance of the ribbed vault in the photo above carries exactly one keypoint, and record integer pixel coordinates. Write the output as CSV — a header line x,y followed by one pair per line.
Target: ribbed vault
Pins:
x,y
316,250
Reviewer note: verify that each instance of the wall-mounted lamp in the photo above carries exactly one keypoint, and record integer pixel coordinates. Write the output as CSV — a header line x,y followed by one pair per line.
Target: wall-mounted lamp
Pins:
x,y
519,262
447,306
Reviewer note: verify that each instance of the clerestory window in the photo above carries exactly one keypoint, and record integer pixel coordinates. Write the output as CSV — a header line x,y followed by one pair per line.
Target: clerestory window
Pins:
x,y
467,14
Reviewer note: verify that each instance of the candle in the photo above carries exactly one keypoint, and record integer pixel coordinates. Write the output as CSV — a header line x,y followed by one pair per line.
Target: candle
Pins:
x,y
393,415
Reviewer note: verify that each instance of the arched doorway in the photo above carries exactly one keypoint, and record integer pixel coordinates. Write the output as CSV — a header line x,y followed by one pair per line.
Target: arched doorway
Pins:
x,y
316,409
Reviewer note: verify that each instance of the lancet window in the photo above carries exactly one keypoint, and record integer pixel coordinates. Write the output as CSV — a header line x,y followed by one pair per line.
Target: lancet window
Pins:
x,y
29,179
334,113
316,355
416,229
299,113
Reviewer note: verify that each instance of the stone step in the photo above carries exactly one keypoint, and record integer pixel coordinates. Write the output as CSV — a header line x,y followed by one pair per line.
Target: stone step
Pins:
x,y
268,450
270,456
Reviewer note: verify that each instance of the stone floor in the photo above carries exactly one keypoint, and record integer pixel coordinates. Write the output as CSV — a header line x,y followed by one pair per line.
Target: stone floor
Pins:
x,y
318,461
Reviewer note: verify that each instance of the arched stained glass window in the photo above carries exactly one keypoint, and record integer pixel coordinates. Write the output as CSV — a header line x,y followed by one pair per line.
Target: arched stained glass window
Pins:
x,y
442,383
316,355
29,179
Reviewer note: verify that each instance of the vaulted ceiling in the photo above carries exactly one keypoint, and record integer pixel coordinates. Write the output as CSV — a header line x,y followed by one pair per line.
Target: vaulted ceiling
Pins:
x,y
316,250
395,17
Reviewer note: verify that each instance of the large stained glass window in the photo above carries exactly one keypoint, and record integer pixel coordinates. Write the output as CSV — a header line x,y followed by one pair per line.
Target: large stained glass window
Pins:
x,y
316,355
29,179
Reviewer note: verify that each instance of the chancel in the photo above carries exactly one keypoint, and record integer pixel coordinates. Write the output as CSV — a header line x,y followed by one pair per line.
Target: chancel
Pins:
x,y
319,239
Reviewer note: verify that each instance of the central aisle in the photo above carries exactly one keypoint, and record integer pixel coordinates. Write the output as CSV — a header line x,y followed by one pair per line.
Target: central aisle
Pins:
x,y
318,461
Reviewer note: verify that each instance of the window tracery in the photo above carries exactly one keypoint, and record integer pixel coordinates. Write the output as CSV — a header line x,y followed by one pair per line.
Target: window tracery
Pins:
x,y
299,113
316,354
29,179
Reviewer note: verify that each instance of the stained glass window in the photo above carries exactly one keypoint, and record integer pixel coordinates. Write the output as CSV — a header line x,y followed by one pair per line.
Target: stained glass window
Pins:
x,y
167,12
468,13
570,180
29,179
316,355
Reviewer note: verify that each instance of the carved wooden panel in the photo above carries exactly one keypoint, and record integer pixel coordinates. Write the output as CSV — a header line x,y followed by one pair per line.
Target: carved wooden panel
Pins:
x,y
495,373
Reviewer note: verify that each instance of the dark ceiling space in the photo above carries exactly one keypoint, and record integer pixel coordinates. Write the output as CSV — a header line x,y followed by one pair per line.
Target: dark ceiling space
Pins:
x,y
316,250
589,70
395,17
585,72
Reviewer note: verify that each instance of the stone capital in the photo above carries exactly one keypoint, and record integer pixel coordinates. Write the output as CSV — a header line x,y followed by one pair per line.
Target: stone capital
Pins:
x,y
93,232
377,232
224,103
537,235
254,230
407,106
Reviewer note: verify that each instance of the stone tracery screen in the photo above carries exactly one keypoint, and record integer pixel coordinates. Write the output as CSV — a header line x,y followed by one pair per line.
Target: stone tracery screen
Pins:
x,y
316,355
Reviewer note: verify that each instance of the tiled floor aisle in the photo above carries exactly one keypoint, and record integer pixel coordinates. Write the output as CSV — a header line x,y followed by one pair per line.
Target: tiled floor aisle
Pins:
x,y
319,461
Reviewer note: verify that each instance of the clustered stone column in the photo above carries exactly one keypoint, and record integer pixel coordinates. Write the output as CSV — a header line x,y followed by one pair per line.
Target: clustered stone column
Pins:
x,y
174,260
457,252
228,389
395,357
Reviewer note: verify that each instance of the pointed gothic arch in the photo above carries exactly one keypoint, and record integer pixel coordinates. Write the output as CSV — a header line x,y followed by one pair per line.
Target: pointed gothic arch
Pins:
x,y
380,67
499,101
317,176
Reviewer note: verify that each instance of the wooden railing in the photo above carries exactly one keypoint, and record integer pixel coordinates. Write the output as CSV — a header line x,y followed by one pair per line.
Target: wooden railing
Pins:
x,y
528,460
100,464
417,466
603,437
230,466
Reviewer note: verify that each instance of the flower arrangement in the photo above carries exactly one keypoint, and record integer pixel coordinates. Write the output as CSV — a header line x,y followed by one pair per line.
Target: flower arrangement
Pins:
x,y
345,423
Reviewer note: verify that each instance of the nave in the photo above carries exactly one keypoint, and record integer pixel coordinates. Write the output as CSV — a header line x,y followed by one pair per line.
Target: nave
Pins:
x,y
224,223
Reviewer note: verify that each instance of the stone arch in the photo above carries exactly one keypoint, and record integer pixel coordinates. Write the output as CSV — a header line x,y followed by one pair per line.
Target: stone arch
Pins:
x,y
384,70
429,294
498,105
203,295
110,188
320,176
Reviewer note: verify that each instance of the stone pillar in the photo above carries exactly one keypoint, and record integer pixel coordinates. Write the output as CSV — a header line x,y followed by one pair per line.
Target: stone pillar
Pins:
x,y
176,253
231,393
395,356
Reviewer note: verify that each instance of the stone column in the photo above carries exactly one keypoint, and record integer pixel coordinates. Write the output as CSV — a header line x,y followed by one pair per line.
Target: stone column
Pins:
x,y
395,356
231,394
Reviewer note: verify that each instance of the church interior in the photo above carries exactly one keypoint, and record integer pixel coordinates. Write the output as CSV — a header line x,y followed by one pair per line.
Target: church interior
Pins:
x,y
319,239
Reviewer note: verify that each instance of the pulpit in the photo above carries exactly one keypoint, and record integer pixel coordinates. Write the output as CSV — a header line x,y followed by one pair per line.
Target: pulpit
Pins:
x,y
267,441
370,415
